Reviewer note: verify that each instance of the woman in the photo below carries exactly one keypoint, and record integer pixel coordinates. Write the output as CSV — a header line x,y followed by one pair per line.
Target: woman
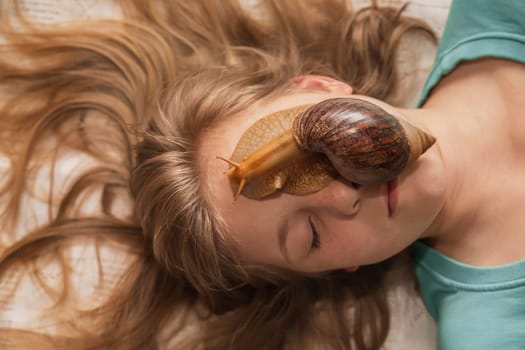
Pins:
x,y
155,99
470,266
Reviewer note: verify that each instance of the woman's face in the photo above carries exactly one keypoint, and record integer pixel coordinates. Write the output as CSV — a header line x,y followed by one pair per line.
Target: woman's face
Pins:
x,y
354,226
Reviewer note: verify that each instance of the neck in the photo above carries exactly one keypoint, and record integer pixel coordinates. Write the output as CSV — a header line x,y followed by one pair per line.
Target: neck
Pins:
x,y
469,116
457,144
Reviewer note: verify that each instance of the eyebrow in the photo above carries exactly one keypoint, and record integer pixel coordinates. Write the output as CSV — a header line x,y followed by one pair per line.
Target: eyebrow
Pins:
x,y
283,234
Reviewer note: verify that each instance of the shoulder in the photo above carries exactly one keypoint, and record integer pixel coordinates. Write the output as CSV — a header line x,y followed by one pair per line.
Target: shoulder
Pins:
x,y
473,32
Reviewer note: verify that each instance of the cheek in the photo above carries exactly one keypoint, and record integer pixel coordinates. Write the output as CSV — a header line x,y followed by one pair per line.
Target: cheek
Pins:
x,y
360,242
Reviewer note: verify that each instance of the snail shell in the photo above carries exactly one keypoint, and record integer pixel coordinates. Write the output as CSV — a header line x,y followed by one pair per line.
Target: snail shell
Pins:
x,y
364,143
300,150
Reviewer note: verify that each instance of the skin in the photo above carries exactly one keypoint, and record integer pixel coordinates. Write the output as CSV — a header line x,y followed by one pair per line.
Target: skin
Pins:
x,y
460,196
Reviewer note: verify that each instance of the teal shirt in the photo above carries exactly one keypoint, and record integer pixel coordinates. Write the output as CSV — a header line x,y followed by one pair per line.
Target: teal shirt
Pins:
x,y
475,29
476,308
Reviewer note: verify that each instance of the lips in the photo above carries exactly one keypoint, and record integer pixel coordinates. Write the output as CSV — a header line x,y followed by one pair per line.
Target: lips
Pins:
x,y
392,196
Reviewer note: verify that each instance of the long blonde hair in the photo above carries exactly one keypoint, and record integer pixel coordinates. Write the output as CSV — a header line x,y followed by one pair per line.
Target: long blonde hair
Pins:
x,y
135,95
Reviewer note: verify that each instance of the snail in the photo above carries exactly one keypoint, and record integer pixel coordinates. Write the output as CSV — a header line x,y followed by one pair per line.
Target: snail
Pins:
x,y
300,150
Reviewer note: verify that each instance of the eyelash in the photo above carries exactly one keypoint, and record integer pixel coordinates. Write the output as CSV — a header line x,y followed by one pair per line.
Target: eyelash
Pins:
x,y
316,242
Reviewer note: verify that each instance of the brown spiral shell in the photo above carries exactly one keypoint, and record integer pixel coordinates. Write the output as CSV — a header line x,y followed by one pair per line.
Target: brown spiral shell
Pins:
x,y
363,142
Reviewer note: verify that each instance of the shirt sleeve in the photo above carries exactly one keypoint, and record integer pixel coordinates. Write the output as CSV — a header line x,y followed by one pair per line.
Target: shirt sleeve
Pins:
x,y
476,29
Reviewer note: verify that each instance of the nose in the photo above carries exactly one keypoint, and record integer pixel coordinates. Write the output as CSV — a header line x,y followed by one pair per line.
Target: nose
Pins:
x,y
340,197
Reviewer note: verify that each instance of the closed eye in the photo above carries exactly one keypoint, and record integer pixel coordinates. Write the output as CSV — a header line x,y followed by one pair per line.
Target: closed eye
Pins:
x,y
316,241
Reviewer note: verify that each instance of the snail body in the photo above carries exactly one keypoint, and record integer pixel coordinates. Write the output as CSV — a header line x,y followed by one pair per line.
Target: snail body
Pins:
x,y
267,158
349,137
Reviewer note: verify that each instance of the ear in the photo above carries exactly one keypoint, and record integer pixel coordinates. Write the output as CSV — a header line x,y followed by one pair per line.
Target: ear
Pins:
x,y
321,82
